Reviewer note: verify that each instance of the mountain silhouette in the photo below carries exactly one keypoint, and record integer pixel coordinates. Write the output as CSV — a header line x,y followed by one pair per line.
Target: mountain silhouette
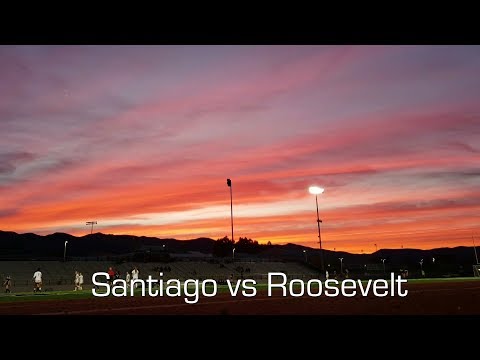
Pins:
x,y
29,246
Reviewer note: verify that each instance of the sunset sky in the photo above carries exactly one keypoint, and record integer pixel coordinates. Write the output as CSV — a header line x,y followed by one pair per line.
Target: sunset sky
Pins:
x,y
142,139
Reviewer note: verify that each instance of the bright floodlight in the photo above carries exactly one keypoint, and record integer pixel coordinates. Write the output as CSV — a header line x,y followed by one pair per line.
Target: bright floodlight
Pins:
x,y
315,190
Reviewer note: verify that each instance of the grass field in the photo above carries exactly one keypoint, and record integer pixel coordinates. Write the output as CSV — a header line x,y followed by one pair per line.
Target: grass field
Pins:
x,y
453,296
87,293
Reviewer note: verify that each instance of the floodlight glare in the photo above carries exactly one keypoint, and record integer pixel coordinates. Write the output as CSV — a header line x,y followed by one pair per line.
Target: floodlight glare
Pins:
x,y
315,190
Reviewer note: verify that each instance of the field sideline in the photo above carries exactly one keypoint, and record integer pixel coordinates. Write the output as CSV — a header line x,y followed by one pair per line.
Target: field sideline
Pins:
x,y
87,293
454,296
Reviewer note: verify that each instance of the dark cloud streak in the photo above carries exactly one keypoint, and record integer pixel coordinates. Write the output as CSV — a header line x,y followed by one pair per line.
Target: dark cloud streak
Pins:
x,y
10,161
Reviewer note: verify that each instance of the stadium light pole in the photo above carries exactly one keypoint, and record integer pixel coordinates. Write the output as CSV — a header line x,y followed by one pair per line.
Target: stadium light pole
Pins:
x,y
315,190
376,248
229,184
341,265
91,223
65,250
305,253
383,261
475,250
233,254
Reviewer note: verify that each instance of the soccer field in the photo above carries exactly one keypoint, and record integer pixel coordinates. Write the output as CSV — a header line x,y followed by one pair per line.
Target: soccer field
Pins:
x,y
425,296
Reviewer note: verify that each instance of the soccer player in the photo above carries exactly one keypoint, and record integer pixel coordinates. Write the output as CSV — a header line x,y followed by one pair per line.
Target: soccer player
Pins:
x,y
127,278
37,278
80,281
111,275
7,283
77,274
135,275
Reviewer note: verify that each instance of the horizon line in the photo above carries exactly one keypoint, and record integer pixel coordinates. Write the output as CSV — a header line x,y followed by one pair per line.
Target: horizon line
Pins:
x,y
209,238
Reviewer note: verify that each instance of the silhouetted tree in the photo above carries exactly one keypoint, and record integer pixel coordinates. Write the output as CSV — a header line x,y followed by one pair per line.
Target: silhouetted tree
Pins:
x,y
247,245
223,247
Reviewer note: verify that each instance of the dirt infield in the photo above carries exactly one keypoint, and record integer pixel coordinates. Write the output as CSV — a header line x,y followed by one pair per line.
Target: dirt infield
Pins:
x,y
442,298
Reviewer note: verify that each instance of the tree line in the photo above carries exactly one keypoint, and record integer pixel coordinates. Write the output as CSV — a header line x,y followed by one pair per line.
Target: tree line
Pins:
x,y
224,246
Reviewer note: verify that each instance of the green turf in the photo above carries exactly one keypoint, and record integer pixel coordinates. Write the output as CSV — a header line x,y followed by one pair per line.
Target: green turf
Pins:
x,y
434,280
51,295
71,295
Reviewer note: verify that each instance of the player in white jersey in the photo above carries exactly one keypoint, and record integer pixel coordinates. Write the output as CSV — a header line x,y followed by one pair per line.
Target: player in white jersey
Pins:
x,y
77,275
80,281
135,275
127,278
37,279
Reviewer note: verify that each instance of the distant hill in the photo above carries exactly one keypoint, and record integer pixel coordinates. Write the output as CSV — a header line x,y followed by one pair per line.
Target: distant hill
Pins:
x,y
29,246
33,246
